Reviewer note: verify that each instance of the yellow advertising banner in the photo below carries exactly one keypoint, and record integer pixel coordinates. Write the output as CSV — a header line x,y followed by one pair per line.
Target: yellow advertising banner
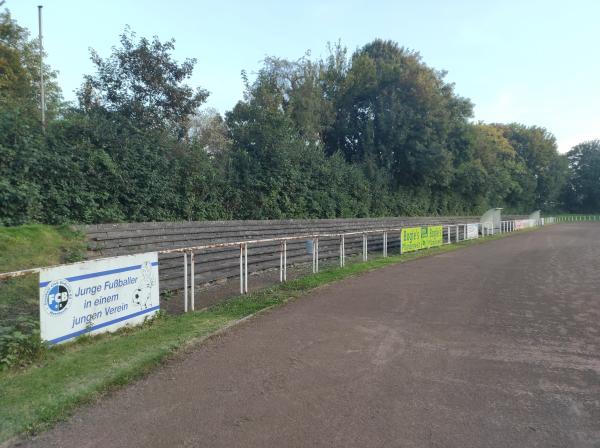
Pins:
x,y
424,237
411,239
416,238
435,235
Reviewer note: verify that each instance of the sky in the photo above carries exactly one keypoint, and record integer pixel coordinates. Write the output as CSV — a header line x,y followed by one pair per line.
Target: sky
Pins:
x,y
528,61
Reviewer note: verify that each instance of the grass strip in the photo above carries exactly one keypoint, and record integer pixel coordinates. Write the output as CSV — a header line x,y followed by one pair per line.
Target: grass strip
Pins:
x,y
34,245
34,398
31,246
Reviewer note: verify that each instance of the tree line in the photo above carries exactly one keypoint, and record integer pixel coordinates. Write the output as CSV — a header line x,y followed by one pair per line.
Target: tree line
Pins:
x,y
373,133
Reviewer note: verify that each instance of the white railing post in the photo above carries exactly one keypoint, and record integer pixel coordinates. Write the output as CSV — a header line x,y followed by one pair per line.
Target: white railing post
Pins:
x,y
245,268
192,263
314,264
185,283
281,262
364,247
285,260
400,241
317,255
242,268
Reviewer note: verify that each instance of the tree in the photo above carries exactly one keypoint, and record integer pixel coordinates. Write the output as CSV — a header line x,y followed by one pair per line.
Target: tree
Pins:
x,y
20,71
396,113
377,133
125,153
297,89
278,165
141,81
582,192
208,130
486,176
21,138
543,182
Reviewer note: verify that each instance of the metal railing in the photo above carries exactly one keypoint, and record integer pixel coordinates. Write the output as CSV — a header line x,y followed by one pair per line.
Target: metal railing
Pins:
x,y
577,218
483,230
189,253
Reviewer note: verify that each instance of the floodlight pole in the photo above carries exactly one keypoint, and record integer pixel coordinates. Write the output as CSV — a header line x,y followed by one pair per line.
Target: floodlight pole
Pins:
x,y
42,91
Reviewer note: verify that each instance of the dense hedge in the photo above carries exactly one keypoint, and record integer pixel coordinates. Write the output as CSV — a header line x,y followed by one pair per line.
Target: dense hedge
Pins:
x,y
377,133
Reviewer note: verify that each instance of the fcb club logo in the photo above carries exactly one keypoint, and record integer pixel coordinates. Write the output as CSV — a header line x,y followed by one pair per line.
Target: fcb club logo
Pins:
x,y
58,296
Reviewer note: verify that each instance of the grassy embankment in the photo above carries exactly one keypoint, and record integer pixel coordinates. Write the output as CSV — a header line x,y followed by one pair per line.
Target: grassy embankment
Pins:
x,y
31,246
35,397
21,248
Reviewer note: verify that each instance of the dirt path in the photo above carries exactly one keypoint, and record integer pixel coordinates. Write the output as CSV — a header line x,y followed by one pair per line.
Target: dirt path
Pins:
x,y
496,345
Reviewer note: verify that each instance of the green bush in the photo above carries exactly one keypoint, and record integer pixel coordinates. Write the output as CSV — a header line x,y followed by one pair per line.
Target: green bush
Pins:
x,y
20,342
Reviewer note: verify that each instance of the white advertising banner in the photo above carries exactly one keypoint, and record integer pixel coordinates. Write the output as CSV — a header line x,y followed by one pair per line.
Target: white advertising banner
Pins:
x,y
524,223
97,296
472,231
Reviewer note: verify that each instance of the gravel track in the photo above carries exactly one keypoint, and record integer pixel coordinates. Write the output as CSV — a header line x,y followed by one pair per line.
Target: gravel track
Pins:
x,y
494,345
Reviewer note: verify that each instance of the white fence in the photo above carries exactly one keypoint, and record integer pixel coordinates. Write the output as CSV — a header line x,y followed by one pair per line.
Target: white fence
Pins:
x,y
576,218
451,233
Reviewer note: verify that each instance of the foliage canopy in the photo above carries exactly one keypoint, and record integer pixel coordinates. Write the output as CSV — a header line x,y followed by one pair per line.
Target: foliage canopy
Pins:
x,y
373,133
